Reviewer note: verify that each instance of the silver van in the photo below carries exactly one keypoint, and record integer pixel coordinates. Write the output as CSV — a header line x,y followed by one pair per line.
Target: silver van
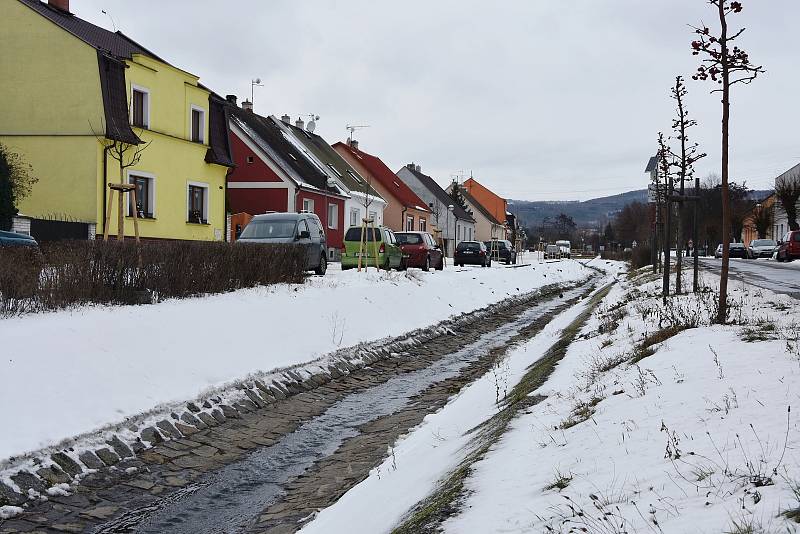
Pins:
x,y
290,228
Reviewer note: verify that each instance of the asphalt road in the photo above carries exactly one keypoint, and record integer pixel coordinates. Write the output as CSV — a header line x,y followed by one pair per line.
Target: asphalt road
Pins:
x,y
769,274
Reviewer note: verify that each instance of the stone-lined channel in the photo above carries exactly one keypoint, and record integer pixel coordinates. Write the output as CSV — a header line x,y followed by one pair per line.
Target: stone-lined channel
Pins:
x,y
227,500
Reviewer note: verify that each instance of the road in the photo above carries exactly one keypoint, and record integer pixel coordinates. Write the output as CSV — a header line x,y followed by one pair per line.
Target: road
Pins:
x,y
267,470
778,277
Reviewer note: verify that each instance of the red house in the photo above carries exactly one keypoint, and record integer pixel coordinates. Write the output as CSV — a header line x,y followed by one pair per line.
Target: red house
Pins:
x,y
274,172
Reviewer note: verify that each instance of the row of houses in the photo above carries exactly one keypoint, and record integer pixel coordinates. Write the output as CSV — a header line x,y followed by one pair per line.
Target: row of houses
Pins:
x,y
780,220
86,107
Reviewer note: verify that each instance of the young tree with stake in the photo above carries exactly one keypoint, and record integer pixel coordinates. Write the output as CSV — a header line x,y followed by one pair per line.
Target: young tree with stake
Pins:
x,y
666,162
726,65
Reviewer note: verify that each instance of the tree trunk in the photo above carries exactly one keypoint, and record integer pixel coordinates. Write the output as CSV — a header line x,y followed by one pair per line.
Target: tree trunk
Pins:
x,y
679,247
695,239
726,216
667,240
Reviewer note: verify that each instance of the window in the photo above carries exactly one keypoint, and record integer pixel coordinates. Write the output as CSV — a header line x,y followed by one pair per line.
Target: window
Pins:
x,y
409,223
333,216
308,205
140,107
354,212
354,177
469,232
458,232
423,225
373,215
145,196
391,237
335,170
302,227
198,124
250,160
198,203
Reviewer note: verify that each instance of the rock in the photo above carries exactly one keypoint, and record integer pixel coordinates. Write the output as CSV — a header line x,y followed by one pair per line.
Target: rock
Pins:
x,y
100,512
190,419
277,393
208,419
218,415
120,448
90,460
263,387
66,463
53,475
207,405
9,497
186,430
108,456
152,436
25,481
253,396
192,407
168,428
229,412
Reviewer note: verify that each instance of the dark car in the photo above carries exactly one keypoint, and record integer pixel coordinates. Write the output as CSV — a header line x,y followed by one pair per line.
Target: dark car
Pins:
x,y
13,239
789,247
502,249
420,250
735,250
290,228
472,253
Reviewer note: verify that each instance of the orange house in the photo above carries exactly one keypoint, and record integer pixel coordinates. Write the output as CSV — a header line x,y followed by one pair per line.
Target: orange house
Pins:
x,y
492,203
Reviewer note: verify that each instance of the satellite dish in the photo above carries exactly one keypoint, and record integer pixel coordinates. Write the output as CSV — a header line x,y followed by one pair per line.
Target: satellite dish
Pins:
x,y
311,126
257,80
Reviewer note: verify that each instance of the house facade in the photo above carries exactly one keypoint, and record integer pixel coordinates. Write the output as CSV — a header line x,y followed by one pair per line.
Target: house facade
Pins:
x,y
456,225
749,230
780,223
363,201
404,210
492,203
70,89
274,172
487,227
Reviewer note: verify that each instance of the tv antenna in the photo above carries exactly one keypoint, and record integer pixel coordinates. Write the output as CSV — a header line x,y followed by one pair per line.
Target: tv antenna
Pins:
x,y
353,127
253,84
106,13
312,124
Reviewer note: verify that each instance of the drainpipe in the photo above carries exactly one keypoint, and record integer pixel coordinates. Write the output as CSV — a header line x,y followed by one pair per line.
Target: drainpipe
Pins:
x,y
105,189
403,219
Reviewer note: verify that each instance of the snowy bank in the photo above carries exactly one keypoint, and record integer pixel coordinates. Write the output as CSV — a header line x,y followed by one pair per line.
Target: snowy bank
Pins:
x,y
68,373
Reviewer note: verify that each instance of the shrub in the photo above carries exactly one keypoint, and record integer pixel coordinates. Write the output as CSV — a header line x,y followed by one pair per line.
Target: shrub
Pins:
x,y
71,273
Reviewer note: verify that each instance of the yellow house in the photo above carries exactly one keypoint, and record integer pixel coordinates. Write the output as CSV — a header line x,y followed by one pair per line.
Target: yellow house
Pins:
x,y
70,89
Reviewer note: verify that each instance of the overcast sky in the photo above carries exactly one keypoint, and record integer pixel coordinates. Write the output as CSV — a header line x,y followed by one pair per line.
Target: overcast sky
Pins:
x,y
539,99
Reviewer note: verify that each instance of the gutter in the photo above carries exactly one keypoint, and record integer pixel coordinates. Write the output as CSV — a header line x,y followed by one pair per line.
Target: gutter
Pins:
x,y
105,189
403,218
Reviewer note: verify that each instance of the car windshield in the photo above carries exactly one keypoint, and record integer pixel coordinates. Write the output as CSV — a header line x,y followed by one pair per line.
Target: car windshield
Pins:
x,y
468,246
280,228
409,239
763,243
736,245
354,234
497,245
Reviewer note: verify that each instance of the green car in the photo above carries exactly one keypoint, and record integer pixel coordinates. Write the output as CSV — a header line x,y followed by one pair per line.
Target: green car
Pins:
x,y
389,254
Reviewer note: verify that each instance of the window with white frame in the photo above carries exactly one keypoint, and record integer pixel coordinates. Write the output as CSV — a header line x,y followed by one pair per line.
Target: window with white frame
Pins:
x,y
354,213
373,216
308,205
458,231
197,208
423,225
140,107
145,195
333,216
197,124
409,223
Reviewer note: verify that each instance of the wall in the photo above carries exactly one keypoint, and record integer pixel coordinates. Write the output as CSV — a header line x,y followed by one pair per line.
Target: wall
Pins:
x,y
266,195
335,236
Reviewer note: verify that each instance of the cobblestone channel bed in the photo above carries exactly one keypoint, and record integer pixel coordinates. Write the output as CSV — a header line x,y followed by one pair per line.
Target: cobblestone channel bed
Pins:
x,y
269,468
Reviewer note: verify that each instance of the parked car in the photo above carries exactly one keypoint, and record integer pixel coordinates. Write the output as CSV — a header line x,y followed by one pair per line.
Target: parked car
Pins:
x,y
420,250
762,248
503,249
566,248
789,247
552,252
472,253
290,228
381,238
14,239
735,250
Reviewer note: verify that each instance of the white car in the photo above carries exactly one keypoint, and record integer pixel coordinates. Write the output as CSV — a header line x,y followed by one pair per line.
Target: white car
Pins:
x,y
763,248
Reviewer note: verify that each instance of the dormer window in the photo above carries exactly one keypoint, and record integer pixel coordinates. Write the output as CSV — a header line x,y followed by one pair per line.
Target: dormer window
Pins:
x,y
140,107
335,170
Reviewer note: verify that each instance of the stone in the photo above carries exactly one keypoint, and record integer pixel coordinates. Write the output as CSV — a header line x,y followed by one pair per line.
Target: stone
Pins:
x,y
229,412
253,396
190,419
206,451
108,456
67,527
168,428
186,430
66,463
218,415
208,419
141,483
192,407
277,393
53,475
100,512
120,448
25,481
9,497
152,436
207,405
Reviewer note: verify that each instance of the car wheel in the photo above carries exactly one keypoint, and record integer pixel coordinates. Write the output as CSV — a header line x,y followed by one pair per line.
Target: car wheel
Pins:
x,y
322,267
427,266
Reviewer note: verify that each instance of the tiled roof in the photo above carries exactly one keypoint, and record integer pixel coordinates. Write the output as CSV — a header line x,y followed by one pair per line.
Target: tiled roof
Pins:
x,y
387,178
219,145
327,155
477,205
437,191
115,43
652,164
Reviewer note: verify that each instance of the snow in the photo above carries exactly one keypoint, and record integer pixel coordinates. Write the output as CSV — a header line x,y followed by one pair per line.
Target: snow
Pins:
x,y
7,512
70,373
681,443
419,459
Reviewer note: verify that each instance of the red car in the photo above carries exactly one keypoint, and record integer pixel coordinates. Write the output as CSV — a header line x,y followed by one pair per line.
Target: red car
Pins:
x,y
789,248
420,250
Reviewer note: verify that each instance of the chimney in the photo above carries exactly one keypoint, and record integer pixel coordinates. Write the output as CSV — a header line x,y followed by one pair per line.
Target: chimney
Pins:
x,y
231,99
299,123
417,168
247,106
286,119
354,144
411,166
61,5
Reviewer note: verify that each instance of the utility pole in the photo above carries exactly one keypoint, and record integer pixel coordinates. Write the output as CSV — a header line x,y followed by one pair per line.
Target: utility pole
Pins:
x,y
696,282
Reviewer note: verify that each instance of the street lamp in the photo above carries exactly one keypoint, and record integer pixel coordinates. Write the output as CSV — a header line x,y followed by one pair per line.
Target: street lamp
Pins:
x,y
450,209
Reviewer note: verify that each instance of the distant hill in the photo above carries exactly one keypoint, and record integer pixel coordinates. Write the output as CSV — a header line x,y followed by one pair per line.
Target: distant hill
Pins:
x,y
588,213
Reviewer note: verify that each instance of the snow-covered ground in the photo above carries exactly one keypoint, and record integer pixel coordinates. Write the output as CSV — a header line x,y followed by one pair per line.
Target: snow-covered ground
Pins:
x,y
435,447
696,438
763,272
68,373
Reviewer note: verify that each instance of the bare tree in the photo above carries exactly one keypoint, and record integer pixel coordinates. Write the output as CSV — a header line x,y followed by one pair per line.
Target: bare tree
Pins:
x,y
126,155
685,159
787,191
666,162
762,219
726,65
